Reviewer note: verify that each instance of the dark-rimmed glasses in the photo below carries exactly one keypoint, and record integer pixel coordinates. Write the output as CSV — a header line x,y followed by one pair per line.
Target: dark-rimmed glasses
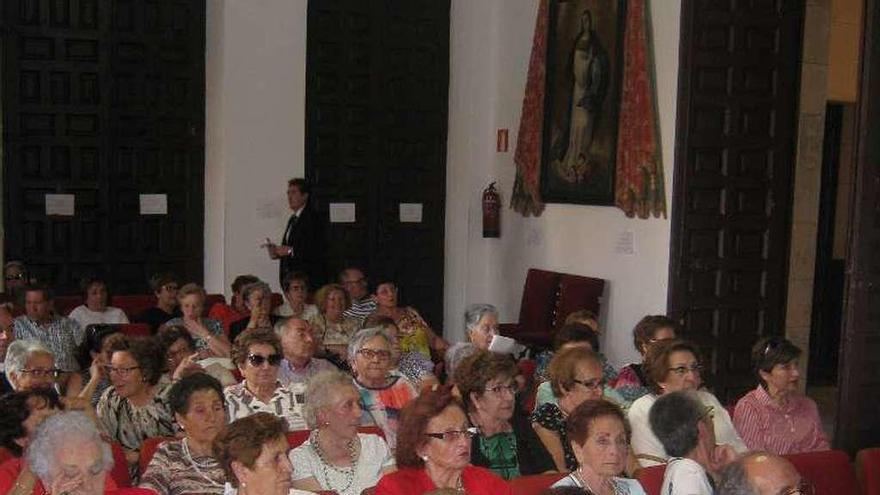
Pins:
x,y
257,360
371,354
40,372
682,370
121,371
453,435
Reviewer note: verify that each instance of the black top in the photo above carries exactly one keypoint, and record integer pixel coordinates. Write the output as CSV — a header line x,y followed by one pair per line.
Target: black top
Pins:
x,y
531,454
305,235
156,317
238,326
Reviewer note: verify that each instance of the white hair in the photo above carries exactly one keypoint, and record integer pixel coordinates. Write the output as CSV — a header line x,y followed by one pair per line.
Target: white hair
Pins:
x,y
456,353
66,428
20,351
475,312
319,393
361,338
285,326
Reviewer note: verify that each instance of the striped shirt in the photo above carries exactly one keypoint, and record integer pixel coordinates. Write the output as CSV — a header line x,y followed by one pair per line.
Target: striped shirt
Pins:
x,y
61,335
780,429
360,310
241,403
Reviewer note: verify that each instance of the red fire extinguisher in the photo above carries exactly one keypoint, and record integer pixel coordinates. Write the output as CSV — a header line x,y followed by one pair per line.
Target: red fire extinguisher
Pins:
x,y
491,212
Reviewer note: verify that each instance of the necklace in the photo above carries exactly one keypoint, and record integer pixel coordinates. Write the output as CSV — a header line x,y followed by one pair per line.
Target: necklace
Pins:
x,y
616,488
347,472
195,464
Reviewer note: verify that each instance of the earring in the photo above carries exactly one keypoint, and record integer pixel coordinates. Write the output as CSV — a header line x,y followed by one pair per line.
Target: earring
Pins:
x,y
424,458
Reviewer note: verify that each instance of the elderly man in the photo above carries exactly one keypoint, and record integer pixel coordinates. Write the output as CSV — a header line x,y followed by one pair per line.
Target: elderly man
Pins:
x,y
362,302
299,364
760,473
7,335
60,334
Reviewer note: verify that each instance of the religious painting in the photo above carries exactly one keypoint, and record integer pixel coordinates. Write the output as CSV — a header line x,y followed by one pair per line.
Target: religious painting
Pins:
x,y
582,98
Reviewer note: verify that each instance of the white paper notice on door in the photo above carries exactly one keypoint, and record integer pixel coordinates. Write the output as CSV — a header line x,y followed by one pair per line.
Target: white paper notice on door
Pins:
x,y
154,204
342,212
410,212
60,204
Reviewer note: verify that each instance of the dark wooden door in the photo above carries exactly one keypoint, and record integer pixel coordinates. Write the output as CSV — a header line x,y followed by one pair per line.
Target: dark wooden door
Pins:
x,y
859,379
376,106
737,122
104,99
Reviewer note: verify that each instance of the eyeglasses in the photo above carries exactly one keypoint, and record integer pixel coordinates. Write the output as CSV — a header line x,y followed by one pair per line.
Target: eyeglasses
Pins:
x,y
170,287
497,389
18,276
682,370
257,360
453,435
597,383
803,488
121,371
42,373
380,354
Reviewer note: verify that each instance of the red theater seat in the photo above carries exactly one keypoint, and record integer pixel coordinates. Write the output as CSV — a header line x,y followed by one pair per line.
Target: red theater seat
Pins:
x,y
868,470
65,304
830,471
211,300
534,484
651,478
136,329
133,304
120,467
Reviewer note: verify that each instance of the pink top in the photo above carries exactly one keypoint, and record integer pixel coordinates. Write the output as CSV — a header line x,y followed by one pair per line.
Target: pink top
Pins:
x,y
780,429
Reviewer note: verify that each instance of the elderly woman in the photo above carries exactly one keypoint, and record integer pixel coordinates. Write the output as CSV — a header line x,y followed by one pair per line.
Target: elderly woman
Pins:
x,y
684,426
672,366
413,365
257,353
507,444
336,457
776,417
207,333
182,359
253,454
95,311
575,376
30,365
631,381
599,436
66,455
134,408
415,333
435,450
481,324
188,465
257,299
333,330
383,394
296,293
94,357
227,314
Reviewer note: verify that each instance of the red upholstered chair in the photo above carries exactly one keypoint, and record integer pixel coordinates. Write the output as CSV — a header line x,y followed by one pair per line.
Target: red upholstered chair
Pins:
x,y
211,300
133,304
136,329
548,297
120,467
65,304
651,478
868,470
5,455
534,484
148,449
830,471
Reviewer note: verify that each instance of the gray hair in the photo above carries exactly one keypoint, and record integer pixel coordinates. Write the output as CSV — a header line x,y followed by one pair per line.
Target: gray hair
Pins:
x,y
674,419
63,428
20,351
456,353
735,480
252,287
284,327
318,395
361,338
475,312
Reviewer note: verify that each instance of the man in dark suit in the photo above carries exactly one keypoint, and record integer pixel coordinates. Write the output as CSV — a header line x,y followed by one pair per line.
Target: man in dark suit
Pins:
x,y
302,245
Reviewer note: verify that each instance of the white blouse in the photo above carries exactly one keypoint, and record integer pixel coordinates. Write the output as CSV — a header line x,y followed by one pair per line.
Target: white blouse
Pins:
x,y
110,316
373,458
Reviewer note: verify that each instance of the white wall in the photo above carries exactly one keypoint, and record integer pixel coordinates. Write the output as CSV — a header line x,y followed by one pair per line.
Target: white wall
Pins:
x,y
491,44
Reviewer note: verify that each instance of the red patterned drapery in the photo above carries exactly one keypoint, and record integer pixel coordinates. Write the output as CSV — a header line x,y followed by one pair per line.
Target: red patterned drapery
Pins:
x,y
639,185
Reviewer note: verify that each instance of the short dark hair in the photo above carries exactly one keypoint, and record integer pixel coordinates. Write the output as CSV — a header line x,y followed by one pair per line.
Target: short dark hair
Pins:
x,y
300,184
656,366
243,441
252,336
14,411
414,419
674,419
182,390
147,352
562,370
44,289
478,369
645,329
242,280
770,351
86,283
289,277
169,334
575,332
578,424
159,280
93,339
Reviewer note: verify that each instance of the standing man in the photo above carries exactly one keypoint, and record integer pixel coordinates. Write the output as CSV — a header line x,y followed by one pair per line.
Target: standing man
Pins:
x,y
302,245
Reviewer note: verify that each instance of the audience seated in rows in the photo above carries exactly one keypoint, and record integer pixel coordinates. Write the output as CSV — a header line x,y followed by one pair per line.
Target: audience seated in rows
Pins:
x,y
414,332
296,292
95,310
227,314
257,297
207,333
164,287
672,366
412,365
632,382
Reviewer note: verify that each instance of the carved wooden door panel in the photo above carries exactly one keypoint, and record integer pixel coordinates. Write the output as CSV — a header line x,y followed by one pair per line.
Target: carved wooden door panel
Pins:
x,y
104,99
859,379
376,107
735,148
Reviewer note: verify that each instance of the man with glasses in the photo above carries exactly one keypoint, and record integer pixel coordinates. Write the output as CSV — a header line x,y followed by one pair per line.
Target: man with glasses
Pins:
x,y
362,302
60,334
165,287
761,473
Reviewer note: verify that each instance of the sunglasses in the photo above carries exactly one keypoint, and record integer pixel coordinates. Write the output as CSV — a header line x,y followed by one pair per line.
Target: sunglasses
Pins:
x,y
257,360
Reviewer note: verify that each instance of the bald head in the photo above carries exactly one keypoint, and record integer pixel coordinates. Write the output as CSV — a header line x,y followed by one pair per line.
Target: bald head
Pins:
x,y
760,473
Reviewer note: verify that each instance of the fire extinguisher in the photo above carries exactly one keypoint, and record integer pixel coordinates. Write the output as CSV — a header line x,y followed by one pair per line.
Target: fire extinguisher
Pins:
x,y
491,212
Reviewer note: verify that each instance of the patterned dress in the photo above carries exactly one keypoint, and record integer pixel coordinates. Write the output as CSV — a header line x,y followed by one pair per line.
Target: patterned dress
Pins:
x,y
382,406
550,416
501,452
213,326
241,403
173,471
327,333
413,333
130,425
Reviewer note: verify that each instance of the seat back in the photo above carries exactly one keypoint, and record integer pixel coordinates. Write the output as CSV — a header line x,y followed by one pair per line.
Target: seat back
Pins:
x,y
65,304
534,484
119,473
651,478
830,471
133,304
868,470
148,449
212,299
538,305
136,329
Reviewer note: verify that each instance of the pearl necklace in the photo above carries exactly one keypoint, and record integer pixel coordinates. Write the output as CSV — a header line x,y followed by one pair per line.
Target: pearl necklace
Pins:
x,y
195,465
348,472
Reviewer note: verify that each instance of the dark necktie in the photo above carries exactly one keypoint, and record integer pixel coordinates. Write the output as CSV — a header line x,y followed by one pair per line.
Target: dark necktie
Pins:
x,y
288,232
